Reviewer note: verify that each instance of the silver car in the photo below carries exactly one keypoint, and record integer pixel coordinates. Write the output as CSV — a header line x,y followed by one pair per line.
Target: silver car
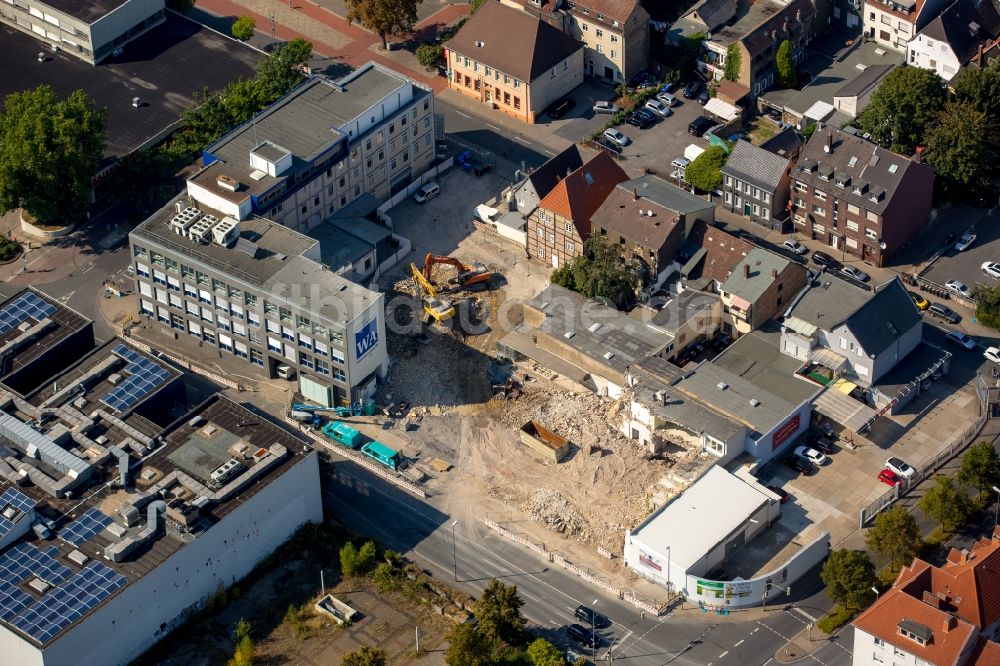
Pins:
x,y
959,288
659,108
616,137
606,107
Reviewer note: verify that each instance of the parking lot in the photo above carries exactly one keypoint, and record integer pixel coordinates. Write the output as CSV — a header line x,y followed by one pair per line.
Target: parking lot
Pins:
x,y
966,266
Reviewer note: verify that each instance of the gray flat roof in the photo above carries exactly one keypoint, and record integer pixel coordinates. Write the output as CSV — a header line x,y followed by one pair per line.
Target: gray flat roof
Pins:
x,y
664,194
731,394
308,285
757,357
680,309
272,239
679,409
165,67
338,246
87,11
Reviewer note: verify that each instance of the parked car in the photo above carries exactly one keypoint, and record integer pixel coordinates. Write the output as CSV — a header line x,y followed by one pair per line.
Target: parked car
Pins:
x,y
616,137
958,288
796,247
820,442
668,99
658,107
800,465
641,118
918,300
992,354
640,81
692,89
810,454
890,478
700,125
992,269
942,311
780,492
721,341
899,466
960,339
584,635
606,107
427,192
590,616
704,97
856,273
823,259
560,108
966,241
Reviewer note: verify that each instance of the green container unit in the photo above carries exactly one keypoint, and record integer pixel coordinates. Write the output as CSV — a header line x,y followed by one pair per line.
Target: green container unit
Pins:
x,y
381,453
343,434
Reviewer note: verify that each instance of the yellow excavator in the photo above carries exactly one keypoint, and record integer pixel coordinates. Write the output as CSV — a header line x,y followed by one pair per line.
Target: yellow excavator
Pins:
x,y
439,310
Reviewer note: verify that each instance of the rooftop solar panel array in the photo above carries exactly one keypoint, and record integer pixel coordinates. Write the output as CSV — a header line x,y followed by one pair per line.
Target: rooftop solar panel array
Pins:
x,y
145,376
83,529
20,562
24,306
67,603
12,497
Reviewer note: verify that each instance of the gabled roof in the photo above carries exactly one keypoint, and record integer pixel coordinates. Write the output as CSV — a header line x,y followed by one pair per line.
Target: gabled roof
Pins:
x,y
618,10
964,25
864,82
578,196
883,318
629,217
762,264
720,251
755,165
784,143
545,177
512,41
778,25
712,13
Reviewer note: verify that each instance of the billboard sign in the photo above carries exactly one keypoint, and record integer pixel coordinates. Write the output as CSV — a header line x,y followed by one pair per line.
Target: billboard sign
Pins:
x,y
366,338
647,560
782,434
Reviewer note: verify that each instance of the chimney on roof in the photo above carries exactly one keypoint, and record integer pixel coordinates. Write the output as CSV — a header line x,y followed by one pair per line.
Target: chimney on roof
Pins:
x,y
746,270
774,273
635,194
949,623
931,599
828,148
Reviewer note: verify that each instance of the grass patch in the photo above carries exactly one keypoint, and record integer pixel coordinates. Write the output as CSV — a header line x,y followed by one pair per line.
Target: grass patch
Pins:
x,y
836,619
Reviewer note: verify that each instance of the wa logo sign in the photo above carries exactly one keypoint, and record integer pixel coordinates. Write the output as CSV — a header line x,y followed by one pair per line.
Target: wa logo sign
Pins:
x,y
366,339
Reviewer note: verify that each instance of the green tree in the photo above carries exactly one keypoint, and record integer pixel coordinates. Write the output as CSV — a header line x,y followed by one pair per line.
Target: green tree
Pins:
x,y
466,647
784,65
705,171
895,537
980,467
366,656
349,559
849,576
601,272
430,55
243,655
962,148
981,88
280,72
49,152
543,653
498,610
733,62
384,17
946,503
476,4
987,305
244,27
905,104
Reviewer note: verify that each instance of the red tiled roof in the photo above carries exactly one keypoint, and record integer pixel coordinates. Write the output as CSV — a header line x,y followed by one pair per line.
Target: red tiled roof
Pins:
x,y
618,10
972,583
578,196
722,250
987,654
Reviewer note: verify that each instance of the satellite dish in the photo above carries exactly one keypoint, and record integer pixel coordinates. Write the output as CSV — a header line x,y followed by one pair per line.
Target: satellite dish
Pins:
x,y
881,244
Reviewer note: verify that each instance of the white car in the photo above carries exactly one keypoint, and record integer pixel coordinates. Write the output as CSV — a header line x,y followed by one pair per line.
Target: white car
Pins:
x,y
959,288
992,269
616,137
606,107
659,108
992,354
796,247
961,339
810,454
668,99
900,467
966,241
855,273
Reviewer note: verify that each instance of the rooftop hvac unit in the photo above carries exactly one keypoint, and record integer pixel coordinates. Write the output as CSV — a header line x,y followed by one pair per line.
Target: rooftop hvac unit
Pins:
x,y
184,220
228,183
201,232
226,471
226,232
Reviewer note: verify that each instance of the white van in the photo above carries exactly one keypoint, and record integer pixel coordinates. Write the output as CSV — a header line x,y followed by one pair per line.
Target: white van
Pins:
x,y
428,191
692,152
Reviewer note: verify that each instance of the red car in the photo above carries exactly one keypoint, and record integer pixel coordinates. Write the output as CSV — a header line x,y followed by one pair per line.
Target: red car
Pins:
x,y
889,478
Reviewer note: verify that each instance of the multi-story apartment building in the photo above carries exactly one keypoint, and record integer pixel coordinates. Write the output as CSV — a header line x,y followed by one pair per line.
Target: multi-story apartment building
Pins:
x,y
560,224
950,41
758,289
616,34
857,197
755,184
757,29
89,30
521,69
255,290
321,147
893,23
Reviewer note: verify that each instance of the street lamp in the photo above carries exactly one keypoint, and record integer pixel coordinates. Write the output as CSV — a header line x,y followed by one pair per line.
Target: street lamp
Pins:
x,y
593,631
454,550
767,586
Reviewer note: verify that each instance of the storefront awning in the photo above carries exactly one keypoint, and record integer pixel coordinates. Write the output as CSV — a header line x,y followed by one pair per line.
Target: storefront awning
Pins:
x,y
741,303
828,359
844,386
842,408
723,110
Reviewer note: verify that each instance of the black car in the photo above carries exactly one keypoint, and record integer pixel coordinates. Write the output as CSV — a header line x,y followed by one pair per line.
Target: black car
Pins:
x,y
584,635
823,259
942,311
780,492
700,125
640,81
590,616
692,89
641,118
704,97
561,108
820,442
799,464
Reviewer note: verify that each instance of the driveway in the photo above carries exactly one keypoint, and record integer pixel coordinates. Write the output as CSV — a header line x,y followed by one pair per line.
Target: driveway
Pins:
x,y
653,149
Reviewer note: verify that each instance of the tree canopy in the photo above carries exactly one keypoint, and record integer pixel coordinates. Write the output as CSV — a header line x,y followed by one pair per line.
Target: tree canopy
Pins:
x,y
279,73
466,647
543,653
962,148
903,107
498,610
50,150
849,576
980,466
244,27
705,171
987,300
784,65
732,72
384,17
601,272
980,88
946,503
895,537
366,656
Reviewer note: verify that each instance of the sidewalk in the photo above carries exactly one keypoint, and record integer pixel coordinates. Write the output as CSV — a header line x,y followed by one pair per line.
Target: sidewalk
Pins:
x,y
43,261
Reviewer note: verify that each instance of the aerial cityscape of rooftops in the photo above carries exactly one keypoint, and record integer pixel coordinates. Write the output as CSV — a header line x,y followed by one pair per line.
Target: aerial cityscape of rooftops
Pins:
x,y
503,332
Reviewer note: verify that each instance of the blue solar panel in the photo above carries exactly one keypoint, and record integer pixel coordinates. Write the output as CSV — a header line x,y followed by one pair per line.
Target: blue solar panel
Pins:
x,y
20,562
85,527
69,602
144,377
24,306
16,499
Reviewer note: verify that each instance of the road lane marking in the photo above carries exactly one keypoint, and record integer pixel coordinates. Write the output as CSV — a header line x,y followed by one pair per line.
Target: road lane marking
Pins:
x,y
524,141
723,654
805,614
739,643
86,268
463,114
494,127
767,662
